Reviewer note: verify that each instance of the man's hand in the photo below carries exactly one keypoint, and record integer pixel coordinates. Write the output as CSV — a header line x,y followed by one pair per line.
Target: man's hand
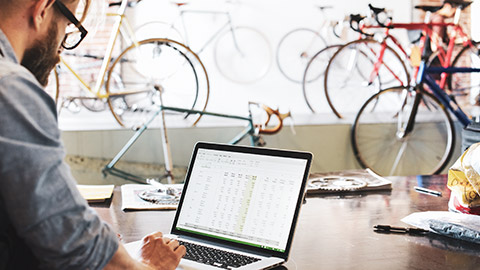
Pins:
x,y
161,253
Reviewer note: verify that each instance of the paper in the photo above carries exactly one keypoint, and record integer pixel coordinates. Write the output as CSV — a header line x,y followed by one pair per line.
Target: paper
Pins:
x,y
132,201
96,193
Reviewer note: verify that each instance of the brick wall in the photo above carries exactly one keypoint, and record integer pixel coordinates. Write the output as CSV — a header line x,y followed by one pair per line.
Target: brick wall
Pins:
x,y
465,21
87,68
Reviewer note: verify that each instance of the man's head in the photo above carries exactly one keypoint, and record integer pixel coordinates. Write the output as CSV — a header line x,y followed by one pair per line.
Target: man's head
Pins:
x,y
46,25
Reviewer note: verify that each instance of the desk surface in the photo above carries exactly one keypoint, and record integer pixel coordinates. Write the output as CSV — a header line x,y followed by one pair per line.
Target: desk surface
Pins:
x,y
336,232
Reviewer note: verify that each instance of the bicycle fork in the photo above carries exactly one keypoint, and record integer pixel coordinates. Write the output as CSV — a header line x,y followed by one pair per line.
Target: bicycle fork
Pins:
x,y
403,131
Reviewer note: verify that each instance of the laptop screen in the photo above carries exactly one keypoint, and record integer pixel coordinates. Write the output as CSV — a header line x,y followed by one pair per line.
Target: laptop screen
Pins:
x,y
249,196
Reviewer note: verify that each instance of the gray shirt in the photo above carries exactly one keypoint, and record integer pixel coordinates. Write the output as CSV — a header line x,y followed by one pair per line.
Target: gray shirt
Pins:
x,y
44,221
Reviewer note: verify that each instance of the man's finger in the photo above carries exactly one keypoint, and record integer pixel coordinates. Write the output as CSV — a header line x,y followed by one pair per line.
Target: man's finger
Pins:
x,y
180,251
173,244
166,240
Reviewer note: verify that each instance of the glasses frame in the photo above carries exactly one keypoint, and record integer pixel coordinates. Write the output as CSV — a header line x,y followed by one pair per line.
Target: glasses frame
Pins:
x,y
69,15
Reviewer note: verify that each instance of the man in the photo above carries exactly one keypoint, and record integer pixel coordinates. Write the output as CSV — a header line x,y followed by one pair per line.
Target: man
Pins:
x,y
44,222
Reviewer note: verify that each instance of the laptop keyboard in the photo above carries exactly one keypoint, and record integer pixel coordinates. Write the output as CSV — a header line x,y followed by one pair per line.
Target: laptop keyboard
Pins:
x,y
216,257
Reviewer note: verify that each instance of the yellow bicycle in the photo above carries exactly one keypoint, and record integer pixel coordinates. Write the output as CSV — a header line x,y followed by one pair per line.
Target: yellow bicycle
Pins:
x,y
126,82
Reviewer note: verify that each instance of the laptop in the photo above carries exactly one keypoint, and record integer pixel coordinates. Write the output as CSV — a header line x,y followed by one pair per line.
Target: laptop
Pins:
x,y
240,204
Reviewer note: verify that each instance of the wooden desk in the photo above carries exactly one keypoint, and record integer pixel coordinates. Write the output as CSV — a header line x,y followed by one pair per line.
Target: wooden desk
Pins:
x,y
336,232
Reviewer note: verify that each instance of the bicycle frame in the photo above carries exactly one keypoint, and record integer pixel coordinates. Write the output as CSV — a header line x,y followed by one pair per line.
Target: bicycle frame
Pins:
x,y
228,24
426,27
436,89
444,98
121,26
251,130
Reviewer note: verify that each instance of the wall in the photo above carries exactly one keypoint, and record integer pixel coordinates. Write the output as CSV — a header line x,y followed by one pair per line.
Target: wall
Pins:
x,y
330,144
322,134
273,18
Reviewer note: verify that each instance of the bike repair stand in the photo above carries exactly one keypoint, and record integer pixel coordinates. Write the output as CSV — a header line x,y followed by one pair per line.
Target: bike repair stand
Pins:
x,y
110,167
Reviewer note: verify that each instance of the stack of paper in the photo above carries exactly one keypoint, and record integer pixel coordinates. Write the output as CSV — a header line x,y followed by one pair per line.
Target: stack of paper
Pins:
x,y
96,193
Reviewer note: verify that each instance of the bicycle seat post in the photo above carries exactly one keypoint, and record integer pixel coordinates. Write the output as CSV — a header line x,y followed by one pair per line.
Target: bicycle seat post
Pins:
x,y
167,153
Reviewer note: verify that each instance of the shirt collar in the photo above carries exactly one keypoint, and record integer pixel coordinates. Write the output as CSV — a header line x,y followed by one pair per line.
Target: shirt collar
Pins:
x,y
6,48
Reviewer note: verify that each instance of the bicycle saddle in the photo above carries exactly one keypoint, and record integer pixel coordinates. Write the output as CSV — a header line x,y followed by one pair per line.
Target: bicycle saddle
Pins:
x,y
429,8
375,9
458,3
179,4
324,7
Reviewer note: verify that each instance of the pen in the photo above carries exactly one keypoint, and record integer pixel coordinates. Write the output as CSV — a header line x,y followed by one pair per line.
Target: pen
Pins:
x,y
428,191
392,229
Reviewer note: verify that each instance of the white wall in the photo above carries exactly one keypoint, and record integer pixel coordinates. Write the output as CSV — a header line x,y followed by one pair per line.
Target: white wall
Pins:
x,y
274,18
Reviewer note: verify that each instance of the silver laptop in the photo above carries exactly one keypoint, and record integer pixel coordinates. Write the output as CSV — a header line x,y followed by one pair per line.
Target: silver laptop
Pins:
x,y
240,205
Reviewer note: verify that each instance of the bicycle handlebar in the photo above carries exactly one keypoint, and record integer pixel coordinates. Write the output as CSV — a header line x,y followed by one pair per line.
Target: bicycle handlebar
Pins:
x,y
262,128
129,4
357,18
377,11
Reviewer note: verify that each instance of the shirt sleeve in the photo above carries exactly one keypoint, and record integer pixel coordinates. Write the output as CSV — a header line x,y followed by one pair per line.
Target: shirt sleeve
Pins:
x,y
37,188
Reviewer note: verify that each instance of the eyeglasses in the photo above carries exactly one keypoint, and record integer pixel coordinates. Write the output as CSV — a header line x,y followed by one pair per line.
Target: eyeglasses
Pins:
x,y
75,32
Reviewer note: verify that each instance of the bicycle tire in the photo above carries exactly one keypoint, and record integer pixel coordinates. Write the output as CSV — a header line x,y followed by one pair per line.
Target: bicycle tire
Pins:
x,y
250,64
149,64
158,29
294,52
347,84
467,83
312,82
93,104
426,150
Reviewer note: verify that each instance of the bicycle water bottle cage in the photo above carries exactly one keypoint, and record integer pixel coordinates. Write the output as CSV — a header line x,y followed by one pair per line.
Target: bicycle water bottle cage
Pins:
x,y
458,3
429,8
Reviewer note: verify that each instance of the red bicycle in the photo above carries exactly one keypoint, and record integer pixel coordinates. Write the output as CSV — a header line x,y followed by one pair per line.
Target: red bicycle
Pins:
x,y
362,67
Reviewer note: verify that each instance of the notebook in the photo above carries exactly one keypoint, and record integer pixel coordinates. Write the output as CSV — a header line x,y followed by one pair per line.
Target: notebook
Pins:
x,y
242,202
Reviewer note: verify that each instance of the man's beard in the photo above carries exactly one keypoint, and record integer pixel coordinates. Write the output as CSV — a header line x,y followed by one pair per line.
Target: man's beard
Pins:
x,y
43,56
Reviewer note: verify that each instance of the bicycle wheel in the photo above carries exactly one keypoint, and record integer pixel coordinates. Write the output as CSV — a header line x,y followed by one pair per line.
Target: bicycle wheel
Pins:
x,y
158,29
147,65
243,55
52,87
467,83
376,134
350,78
295,50
312,82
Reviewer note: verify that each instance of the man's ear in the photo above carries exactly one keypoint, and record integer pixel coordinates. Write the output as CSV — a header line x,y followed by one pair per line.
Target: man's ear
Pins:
x,y
39,11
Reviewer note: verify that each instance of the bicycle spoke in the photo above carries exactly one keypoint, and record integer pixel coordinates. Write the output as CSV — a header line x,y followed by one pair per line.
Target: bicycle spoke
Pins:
x,y
425,150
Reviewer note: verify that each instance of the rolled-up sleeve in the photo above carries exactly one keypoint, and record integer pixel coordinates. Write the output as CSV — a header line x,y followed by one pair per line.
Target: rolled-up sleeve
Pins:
x,y
37,188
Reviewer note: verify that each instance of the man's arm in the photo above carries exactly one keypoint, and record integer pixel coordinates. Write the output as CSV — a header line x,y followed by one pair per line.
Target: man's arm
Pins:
x,y
156,253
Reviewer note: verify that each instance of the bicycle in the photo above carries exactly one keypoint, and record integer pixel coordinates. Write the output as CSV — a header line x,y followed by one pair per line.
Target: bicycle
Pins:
x,y
253,131
242,54
387,66
125,82
298,46
407,129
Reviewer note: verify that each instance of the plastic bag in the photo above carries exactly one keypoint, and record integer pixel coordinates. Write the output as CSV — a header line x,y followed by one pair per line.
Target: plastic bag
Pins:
x,y
464,182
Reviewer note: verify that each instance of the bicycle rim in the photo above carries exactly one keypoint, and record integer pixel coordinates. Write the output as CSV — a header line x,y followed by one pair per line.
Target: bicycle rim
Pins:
x,y
313,79
243,55
295,50
467,84
349,78
376,139
149,65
